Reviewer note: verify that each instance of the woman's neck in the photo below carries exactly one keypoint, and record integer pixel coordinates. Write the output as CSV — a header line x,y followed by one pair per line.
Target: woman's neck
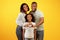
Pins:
x,y
24,12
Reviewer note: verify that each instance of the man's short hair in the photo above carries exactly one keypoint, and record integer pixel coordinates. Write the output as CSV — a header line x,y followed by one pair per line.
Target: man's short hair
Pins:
x,y
34,3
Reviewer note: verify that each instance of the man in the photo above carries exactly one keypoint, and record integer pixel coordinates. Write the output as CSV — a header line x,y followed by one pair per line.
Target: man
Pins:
x,y
39,19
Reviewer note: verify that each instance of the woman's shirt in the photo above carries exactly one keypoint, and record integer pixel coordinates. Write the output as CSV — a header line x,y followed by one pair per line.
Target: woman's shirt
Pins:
x,y
29,31
20,19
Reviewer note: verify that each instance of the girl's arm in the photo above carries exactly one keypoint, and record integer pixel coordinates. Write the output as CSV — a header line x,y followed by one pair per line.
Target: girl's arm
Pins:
x,y
34,34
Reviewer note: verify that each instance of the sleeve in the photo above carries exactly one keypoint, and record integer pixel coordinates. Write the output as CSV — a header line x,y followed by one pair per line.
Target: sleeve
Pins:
x,y
40,14
19,20
34,24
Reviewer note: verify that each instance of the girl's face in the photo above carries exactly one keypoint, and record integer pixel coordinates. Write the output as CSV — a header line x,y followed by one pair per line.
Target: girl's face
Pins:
x,y
29,18
25,8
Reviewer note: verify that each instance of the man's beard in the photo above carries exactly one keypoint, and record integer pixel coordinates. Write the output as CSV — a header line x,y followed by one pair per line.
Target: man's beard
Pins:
x,y
34,10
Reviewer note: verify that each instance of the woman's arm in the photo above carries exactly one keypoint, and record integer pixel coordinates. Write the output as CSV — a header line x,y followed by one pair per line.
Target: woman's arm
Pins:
x,y
23,34
19,20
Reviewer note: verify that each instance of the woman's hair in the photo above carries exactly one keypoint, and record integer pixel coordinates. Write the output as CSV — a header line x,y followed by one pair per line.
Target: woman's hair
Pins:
x,y
33,18
21,8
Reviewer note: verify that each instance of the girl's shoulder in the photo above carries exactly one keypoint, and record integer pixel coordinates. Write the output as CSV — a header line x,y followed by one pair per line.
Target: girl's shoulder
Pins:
x,y
31,22
25,23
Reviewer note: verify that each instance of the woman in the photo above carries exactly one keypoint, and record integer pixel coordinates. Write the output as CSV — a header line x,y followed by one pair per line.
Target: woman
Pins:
x,y
20,20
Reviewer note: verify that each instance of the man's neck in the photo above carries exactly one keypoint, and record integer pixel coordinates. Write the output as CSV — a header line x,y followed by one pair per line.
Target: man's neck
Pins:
x,y
34,10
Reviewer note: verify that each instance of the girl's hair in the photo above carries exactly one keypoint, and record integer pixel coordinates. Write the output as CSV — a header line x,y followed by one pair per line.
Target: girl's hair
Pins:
x,y
33,18
21,8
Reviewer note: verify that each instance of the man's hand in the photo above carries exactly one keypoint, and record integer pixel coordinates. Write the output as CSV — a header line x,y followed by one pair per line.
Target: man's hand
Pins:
x,y
37,25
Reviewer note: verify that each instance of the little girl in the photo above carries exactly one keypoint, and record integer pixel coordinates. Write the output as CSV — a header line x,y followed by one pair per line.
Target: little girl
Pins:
x,y
29,29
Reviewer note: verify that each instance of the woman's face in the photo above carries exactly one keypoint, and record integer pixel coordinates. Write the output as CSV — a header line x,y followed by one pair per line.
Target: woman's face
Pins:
x,y
29,18
25,8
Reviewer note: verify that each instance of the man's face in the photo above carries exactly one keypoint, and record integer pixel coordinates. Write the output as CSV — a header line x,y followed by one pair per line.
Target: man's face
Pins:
x,y
33,7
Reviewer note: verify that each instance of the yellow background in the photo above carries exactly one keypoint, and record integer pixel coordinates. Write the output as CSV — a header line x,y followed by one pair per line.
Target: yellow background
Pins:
x,y
9,10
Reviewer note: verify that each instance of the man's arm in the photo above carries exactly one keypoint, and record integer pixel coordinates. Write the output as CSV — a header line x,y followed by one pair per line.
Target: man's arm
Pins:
x,y
40,22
